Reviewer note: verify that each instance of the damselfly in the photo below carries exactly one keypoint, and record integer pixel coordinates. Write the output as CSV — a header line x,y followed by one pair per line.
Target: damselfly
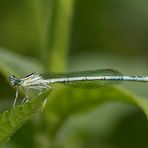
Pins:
x,y
83,79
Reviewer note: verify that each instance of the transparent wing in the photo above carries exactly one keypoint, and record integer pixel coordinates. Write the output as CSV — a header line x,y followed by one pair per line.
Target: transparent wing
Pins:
x,y
84,83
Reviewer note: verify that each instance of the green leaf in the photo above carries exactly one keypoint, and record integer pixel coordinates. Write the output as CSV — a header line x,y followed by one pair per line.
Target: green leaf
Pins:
x,y
11,63
11,121
67,102
105,126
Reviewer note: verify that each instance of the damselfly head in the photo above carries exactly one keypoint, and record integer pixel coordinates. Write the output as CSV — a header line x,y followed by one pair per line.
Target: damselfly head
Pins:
x,y
15,81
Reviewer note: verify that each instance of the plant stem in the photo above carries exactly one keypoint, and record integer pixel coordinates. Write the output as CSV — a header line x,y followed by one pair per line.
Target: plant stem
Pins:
x,y
60,34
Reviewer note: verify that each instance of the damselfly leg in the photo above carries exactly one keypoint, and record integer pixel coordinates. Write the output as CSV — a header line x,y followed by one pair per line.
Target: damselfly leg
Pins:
x,y
16,97
45,101
26,98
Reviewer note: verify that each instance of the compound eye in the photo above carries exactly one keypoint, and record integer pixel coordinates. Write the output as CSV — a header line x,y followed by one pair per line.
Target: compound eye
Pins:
x,y
19,81
13,80
12,77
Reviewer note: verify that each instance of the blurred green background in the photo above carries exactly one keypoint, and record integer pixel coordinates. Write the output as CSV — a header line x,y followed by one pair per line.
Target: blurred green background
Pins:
x,y
68,35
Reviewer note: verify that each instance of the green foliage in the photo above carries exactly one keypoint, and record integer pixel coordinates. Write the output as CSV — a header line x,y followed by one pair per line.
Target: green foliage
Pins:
x,y
11,121
65,103
72,117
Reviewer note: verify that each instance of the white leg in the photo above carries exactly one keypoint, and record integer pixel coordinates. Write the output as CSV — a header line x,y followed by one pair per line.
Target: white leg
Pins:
x,y
26,98
44,103
16,96
47,86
